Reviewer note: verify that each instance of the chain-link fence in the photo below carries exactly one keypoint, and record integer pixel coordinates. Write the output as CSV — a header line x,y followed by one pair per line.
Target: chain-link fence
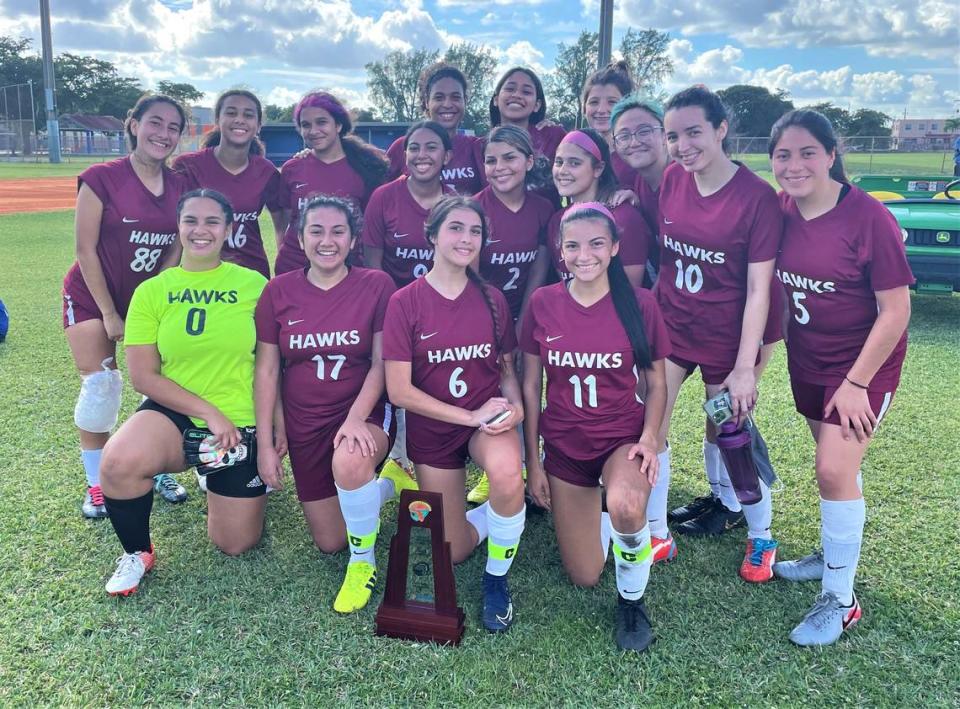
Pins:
x,y
18,135
866,154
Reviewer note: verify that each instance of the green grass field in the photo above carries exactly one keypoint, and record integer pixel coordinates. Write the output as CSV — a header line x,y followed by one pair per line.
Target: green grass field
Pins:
x,y
259,630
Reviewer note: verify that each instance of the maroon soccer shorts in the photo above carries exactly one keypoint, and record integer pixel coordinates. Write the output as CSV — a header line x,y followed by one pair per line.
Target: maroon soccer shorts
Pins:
x,y
583,473
811,400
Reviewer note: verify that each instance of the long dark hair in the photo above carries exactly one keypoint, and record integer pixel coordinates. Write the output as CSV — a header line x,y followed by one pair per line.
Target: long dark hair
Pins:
x,y
345,206
142,105
432,126
431,75
615,74
819,126
713,108
537,176
621,290
536,116
607,183
367,161
212,139
431,227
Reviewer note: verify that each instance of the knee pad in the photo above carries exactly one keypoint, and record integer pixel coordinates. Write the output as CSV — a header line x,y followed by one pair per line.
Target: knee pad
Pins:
x,y
98,405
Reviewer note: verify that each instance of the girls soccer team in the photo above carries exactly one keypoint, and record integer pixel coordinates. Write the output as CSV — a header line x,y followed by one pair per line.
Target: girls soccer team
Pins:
x,y
452,301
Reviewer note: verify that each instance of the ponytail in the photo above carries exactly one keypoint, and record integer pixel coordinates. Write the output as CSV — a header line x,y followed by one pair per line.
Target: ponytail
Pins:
x,y
622,292
484,287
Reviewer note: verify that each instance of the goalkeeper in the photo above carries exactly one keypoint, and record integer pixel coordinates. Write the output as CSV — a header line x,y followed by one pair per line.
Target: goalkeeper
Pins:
x,y
190,339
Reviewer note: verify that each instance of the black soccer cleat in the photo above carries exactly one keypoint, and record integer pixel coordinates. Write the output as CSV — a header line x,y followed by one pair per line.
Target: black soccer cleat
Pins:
x,y
693,509
715,521
497,603
634,632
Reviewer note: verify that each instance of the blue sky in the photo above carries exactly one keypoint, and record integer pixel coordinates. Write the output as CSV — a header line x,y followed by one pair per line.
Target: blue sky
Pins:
x,y
893,56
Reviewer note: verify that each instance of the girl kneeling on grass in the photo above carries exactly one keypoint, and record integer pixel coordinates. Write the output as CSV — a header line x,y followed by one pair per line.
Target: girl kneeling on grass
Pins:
x,y
189,346
602,343
845,271
319,333
448,342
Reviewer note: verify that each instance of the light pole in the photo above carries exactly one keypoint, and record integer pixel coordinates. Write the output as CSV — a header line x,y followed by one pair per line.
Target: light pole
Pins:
x,y
606,33
53,124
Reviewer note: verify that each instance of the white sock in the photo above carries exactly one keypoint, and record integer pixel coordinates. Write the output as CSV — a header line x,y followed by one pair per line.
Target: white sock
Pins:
x,y
399,450
387,489
727,495
711,464
361,514
91,465
633,557
606,531
657,503
841,534
760,515
503,540
478,518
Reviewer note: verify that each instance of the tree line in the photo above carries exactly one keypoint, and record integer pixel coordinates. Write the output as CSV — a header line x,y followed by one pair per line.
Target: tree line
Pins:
x,y
95,86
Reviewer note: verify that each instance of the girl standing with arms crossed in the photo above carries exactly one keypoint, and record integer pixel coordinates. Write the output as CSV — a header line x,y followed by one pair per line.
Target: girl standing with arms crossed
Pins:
x,y
448,342
189,346
582,172
232,163
720,228
126,232
602,343
319,335
338,163
443,99
844,268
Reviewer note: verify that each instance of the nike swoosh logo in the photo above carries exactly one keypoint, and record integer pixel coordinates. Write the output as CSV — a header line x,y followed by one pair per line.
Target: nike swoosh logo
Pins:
x,y
299,185
835,568
399,236
667,221
494,241
427,337
505,619
555,337
293,322
130,221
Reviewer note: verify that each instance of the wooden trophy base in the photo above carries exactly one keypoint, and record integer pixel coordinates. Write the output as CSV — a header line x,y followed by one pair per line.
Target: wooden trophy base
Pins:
x,y
420,622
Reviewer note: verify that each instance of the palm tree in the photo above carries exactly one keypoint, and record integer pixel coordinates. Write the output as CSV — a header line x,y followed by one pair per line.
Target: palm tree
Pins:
x,y
951,124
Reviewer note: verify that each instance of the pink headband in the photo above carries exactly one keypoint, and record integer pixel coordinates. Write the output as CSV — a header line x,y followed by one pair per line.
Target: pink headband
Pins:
x,y
584,141
325,101
588,207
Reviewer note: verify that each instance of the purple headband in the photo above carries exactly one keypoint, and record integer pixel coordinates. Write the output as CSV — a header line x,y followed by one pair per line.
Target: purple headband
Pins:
x,y
582,140
325,101
588,207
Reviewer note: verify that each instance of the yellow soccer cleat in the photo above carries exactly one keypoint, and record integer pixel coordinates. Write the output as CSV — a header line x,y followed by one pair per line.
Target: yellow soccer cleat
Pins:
x,y
400,476
356,589
481,491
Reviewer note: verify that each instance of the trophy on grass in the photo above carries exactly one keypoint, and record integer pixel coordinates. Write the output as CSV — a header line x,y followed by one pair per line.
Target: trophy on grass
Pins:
x,y
420,602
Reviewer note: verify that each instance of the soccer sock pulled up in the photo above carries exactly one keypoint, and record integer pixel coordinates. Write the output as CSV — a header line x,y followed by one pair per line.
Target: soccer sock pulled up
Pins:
x,y
727,495
131,521
841,532
657,503
361,515
633,557
711,465
759,515
91,465
503,540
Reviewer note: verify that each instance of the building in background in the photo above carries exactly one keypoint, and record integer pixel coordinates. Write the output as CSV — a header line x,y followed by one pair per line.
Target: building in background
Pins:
x,y
922,134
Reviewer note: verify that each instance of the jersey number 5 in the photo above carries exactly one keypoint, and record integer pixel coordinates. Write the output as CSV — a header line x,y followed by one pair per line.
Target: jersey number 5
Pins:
x,y
802,315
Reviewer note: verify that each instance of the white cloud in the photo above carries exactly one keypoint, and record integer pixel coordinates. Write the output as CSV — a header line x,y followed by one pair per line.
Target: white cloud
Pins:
x,y
893,28
521,53
878,87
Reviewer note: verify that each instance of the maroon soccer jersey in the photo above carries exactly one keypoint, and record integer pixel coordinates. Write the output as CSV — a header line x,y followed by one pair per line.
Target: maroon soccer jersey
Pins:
x,y
634,238
546,140
649,205
451,346
325,339
831,267
462,174
248,191
591,378
515,238
626,175
705,246
302,178
394,222
136,229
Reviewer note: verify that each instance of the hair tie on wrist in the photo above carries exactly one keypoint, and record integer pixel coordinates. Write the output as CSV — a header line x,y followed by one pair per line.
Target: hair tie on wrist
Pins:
x,y
858,386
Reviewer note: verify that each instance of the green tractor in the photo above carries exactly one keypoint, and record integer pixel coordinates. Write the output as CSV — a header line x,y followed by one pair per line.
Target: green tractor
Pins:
x,y
928,212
